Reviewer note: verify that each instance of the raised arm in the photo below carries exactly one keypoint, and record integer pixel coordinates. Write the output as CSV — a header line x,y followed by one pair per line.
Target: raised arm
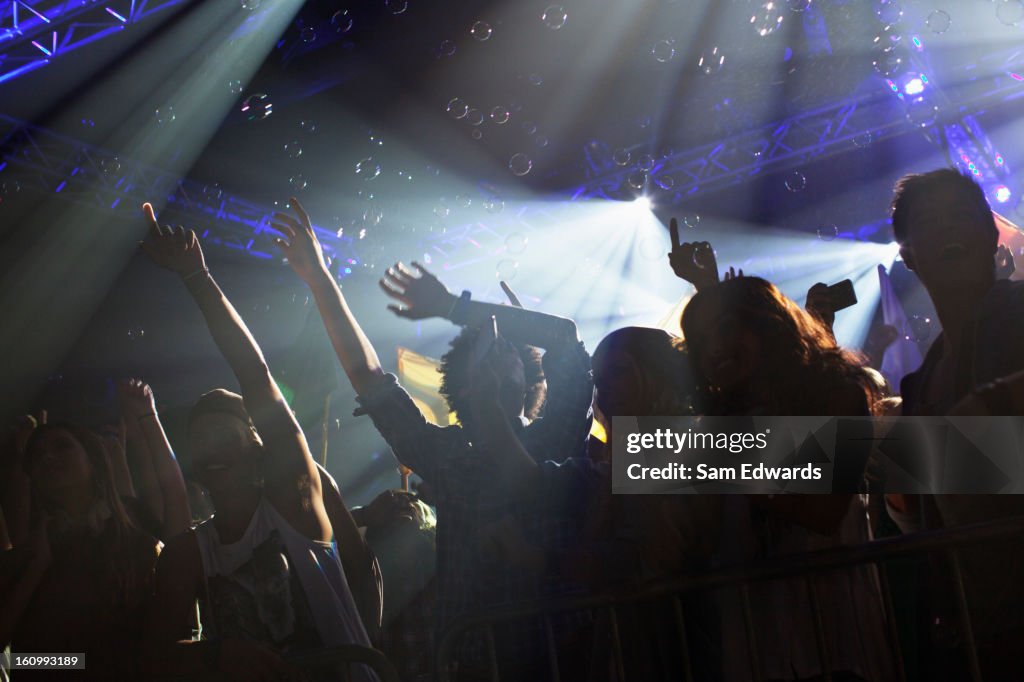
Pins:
x,y
139,408
302,249
694,262
292,481
422,295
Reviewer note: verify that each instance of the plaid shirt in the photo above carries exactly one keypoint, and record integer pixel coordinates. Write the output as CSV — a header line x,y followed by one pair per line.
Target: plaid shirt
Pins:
x,y
469,498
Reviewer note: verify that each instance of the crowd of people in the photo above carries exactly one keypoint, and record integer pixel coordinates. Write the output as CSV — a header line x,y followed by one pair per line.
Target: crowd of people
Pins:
x,y
107,549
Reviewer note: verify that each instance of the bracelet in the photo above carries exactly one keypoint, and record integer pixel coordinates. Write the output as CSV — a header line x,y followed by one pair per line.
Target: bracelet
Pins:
x,y
200,271
459,306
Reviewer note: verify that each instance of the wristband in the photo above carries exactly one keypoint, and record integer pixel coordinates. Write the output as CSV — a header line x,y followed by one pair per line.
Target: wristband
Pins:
x,y
459,307
200,271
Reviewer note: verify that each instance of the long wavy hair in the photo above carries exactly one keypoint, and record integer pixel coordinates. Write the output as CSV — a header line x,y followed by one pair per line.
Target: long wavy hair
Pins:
x,y
801,366
119,535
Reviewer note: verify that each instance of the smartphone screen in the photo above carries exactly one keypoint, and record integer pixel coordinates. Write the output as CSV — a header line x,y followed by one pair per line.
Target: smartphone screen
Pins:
x,y
842,294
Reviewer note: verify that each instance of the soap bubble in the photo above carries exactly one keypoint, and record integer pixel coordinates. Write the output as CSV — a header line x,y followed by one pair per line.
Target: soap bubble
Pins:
x,y
165,115
457,107
507,269
257,107
481,30
368,169
342,21
796,181
396,6
767,18
520,164
500,115
554,17
298,182
938,22
516,242
293,149
663,51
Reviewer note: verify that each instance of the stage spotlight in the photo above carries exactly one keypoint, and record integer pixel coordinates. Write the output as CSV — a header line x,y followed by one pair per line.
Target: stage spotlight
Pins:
x,y
642,204
915,86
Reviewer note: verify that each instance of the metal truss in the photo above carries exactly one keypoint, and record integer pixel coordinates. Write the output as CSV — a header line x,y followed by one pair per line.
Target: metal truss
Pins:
x,y
36,160
33,33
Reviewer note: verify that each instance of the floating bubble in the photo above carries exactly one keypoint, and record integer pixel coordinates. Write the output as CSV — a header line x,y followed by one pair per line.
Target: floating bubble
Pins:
x,y
235,87
405,176
621,157
530,127
250,5
481,31
767,18
257,107
663,51
442,210
457,107
307,126
536,79
8,187
665,181
110,165
500,115
293,149
493,205
637,179
136,333
396,6
796,181
298,182
1010,12
164,115
342,21
922,113
365,195
798,5
541,141
691,221
516,242
463,201
507,269
376,140
920,328
711,61
888,63
888,11
554,17
474,117
864,139
827,233
938,22
645,162
476,134
368,169
889,36
308,34
520,164
213,192
446,48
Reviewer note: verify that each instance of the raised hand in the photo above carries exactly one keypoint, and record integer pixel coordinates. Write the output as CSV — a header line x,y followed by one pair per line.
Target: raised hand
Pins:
x,y
136,398
692,261
176,250
421,295
300,246
1004,262
732,273
819,303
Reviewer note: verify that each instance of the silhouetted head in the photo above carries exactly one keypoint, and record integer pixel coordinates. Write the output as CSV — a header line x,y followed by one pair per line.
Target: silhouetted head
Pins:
x,y
514,365
751,347
946,231
225,452
67,462
641,371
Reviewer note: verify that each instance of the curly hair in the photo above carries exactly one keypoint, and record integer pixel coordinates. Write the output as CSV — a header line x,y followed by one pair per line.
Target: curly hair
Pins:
x,y
803,367
454,371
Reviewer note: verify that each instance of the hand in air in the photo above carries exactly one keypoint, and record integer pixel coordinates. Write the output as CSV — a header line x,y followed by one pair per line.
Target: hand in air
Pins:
x,y
692,261
421,295
300,245
177,250
136,398
819,303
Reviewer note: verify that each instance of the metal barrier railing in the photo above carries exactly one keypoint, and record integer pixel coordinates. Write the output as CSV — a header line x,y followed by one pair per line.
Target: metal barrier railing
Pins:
x,y
948,541
346,655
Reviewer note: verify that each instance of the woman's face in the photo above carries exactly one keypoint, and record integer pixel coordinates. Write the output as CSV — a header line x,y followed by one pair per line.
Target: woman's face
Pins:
x,y
59,464
728,352
221,447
